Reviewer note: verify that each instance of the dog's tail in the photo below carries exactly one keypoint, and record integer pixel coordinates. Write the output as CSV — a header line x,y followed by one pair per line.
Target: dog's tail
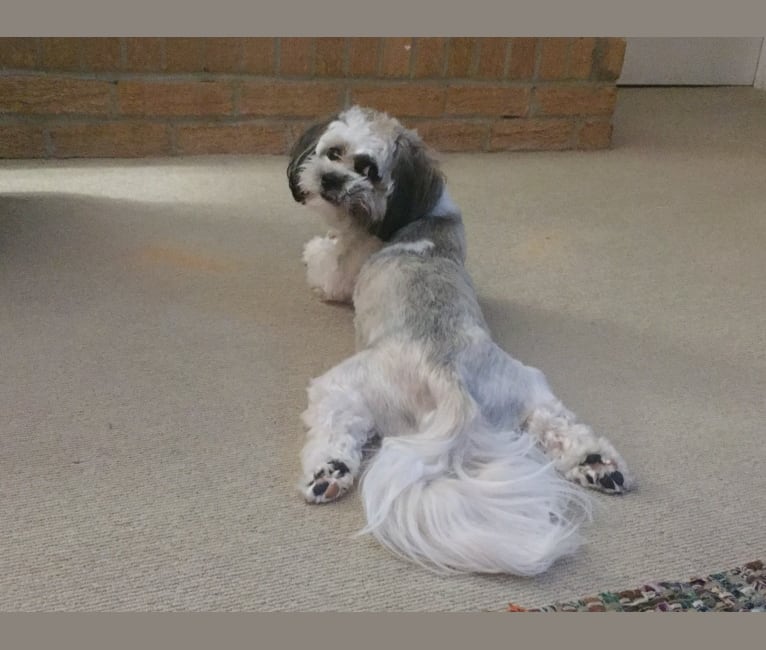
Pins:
x,y
458,497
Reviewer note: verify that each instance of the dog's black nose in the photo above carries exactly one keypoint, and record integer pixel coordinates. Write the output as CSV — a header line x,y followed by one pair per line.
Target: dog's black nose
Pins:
x,y
332,182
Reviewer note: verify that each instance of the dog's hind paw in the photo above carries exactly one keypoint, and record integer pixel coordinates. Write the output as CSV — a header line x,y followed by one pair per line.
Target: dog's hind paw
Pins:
x,y
328,483
600,473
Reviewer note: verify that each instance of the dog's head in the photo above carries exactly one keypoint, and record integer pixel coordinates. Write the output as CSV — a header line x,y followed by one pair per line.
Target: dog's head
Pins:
x,y
364,168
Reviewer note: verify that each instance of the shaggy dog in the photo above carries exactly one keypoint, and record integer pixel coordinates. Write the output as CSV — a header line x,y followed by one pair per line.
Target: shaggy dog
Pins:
x,y
478,457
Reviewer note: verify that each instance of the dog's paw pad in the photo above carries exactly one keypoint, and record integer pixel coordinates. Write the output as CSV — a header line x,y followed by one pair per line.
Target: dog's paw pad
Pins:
x,y
600,474
329,482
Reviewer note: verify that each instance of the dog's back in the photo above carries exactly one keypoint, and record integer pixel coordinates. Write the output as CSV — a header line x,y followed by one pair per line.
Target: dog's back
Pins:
x,y
418,319
417,289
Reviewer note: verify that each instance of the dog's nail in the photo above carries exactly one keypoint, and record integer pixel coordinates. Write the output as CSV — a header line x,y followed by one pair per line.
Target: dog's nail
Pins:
x,y
618,478
607,482
319,488
592,459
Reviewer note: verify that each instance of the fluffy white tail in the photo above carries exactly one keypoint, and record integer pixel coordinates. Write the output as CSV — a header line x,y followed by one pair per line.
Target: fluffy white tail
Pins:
x,y
456,497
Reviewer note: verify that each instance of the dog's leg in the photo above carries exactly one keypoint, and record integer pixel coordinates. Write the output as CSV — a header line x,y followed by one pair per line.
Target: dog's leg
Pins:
x,y
577,451
333,263
339,423
513,395
323,272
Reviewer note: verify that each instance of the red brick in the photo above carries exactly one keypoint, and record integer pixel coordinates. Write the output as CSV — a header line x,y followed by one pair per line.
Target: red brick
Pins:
x,y
577,100
193,139
290,99
35,95
430,57
395,60
21,141
184,54
330,53
595,134
554,58
144,54
110,140
487,100
453,135
296,57
581,58
492,57
294,130
531,134
61,53
363,57
401,100
460,62
175,98
18,53
258,55
610,59
222,54
522,64
101,54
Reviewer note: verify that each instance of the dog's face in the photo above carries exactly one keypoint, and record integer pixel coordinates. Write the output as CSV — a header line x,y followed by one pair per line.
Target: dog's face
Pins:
x,y
364,168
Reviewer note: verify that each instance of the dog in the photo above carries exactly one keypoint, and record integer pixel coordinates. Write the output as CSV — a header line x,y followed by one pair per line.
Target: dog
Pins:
x,y
478,459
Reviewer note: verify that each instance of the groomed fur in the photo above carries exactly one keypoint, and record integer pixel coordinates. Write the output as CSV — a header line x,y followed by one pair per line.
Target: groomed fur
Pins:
x,y
475,446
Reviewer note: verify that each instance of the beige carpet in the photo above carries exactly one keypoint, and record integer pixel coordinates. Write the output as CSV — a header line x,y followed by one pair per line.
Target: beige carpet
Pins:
x,y
157,337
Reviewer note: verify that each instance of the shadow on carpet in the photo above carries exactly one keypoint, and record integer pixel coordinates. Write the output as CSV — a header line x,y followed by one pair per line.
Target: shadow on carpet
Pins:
x,y
739,590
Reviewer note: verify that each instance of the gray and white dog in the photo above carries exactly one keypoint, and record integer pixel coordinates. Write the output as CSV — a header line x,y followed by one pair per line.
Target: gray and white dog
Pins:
x,y
475,447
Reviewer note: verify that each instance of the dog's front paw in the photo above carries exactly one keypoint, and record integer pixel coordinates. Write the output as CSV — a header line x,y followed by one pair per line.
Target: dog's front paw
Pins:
x,y
328,483
602,473
320,258
317,249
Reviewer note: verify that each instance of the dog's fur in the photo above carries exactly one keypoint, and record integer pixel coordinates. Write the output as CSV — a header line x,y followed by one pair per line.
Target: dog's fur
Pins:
x,y
468,476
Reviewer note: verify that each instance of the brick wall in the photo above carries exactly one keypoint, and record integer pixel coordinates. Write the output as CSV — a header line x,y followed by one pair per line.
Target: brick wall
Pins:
x,y
132,97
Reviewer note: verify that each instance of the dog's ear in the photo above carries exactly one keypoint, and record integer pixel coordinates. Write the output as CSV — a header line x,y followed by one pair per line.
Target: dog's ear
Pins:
x,y
301,150
418,184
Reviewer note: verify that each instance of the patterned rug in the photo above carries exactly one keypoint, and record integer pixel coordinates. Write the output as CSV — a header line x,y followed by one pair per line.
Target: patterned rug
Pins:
x,y
740,590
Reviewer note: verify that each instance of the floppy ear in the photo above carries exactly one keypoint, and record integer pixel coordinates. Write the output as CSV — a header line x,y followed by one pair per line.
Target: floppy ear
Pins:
x,y
301,150
418,184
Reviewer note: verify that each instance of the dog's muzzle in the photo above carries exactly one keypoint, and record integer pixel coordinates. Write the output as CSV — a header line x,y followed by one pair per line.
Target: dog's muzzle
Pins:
x,y
332,187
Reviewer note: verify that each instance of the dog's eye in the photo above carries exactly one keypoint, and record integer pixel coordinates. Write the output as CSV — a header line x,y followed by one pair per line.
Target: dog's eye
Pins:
x,y
372,172
333,153
365,165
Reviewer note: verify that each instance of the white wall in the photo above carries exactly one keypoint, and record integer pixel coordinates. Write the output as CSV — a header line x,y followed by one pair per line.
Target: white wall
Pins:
x,y
691,61
760,75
